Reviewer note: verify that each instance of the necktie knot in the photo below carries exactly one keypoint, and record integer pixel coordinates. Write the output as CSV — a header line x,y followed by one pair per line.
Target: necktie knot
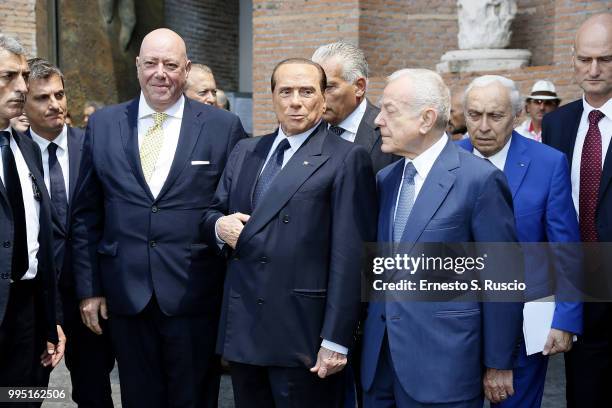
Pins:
x,y
409,172
595,116
52,148
337,130
5,138
280,151
159,118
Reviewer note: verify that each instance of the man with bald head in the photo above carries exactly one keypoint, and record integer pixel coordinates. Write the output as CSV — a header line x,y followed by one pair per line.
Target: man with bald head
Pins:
x,y
150,166
201,85
582,130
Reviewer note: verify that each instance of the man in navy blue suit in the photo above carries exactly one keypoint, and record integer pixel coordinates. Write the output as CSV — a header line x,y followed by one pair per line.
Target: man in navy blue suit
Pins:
x,y
539,180
149,169
428,354
292,211
582,130
89,356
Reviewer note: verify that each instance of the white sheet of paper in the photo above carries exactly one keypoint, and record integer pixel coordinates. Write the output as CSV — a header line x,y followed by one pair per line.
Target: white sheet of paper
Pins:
x,y
537,319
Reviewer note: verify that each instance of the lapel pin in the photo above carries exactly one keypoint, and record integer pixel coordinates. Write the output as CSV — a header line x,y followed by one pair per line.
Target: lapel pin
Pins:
x,y
306,163
522,164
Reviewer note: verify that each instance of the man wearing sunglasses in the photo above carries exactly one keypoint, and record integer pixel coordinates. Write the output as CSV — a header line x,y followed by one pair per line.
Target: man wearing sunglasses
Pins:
x,y
542,100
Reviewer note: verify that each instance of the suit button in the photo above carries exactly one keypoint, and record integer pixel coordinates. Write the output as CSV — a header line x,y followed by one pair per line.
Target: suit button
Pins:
x,y
263,260
286,219
383,318
154,209
260,301
6,244
5,275
153,244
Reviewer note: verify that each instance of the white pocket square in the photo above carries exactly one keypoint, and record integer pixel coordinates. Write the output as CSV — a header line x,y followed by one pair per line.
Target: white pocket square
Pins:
x,y
199,162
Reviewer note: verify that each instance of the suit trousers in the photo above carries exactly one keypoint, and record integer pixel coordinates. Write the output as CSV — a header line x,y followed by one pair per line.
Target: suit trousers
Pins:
x,y
21,341
588,366
285,387
166,361
387,391
89,358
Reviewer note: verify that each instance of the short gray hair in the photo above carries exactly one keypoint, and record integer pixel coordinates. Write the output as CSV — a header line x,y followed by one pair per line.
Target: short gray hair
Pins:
x,y
11,45
202,67
429,91
352,59
43,69
510,85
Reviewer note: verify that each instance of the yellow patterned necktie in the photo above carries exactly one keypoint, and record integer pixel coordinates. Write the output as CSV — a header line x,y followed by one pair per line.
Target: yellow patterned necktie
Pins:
x,y
151,145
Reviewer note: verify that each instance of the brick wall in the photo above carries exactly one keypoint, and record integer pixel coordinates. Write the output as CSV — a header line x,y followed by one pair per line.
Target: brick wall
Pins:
x,y
210,30
18,19
397,34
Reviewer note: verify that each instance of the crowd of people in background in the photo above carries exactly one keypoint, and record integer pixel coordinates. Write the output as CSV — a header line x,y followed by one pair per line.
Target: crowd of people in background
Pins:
x,y
162,238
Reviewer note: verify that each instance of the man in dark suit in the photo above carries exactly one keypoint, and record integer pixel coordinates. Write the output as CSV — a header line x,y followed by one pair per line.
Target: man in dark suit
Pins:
x,y
428,354
348,112
582,130
28,320
149,168
89,356
539,180
294,207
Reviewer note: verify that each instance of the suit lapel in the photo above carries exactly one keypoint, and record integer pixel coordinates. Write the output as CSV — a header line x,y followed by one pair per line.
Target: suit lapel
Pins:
x,y
128,127
297,170
191,127
516,163
570,129
388,197
251,168
75,146
366,132
606,174
435,188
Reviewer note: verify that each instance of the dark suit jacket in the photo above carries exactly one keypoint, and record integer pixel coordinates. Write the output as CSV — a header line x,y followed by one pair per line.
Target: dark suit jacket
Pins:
x,y
439,349
128,245
47,272
294,275
368,136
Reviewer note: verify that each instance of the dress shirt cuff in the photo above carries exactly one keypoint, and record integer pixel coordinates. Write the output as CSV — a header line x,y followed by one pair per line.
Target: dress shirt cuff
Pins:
x,y
220,242
334,347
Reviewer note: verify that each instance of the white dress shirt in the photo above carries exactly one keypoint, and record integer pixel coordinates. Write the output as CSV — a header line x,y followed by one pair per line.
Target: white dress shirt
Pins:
x,y
62,156
605,128
526,129
423,164
171,128
499,158
30,205
351,123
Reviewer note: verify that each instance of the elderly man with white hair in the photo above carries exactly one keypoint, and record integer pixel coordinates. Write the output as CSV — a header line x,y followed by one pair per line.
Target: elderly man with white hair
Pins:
x,y
435,354
539,180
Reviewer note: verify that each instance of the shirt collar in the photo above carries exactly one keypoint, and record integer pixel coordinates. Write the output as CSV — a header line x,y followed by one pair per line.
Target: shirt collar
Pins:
x,y
606,109
425,161
295,141
175,111
499,158
352,121
61,140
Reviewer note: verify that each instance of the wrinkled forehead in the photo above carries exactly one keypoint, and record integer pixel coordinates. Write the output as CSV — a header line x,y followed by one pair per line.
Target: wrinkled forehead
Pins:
x,y
13,62
295,75
162,48
491,98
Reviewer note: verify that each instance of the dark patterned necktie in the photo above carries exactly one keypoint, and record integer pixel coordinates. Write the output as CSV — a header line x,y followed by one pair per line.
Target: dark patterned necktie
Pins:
x,y
19,261
57,187
273,167
337,130
590,177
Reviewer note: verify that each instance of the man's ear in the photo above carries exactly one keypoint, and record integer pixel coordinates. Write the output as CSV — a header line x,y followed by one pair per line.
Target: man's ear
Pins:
x,y
360,87
428,120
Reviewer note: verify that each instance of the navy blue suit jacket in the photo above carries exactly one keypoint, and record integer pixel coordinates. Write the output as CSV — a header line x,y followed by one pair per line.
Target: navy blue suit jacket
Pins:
x,y
294,277
368,136
128,245
539,180
47,270
439,349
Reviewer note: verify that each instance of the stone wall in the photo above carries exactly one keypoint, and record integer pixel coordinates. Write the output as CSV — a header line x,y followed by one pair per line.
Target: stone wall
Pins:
x,y
18,19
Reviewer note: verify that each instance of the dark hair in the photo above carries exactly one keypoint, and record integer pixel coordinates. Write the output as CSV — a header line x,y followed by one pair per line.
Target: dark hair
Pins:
x,y
42,69
303,61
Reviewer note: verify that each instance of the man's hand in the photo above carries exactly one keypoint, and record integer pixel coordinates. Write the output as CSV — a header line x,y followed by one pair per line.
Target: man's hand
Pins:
x,y
53,354
328,363
90,308
558,341
230,227
497,385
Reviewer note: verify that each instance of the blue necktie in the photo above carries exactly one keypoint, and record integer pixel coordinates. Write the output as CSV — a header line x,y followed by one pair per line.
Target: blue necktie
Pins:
x,y
19,261
273,167
337,130
57,187
405,202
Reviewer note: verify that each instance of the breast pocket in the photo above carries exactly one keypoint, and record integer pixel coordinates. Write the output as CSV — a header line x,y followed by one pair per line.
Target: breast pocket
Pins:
x,y
436,224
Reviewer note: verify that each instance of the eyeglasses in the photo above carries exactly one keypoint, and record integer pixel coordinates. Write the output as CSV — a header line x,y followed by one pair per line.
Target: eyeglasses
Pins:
x,y
545,102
